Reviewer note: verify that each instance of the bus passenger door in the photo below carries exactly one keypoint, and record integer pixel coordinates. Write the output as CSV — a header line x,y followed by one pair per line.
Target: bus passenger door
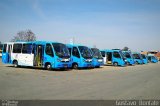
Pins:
x,y
9,53
104,57
109,58
38,55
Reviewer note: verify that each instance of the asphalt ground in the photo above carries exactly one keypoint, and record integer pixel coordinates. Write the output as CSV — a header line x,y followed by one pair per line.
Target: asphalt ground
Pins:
x,y
105,83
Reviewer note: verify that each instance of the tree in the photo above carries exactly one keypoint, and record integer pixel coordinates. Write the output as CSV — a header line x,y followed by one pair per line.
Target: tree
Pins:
x,y
125,48
27,36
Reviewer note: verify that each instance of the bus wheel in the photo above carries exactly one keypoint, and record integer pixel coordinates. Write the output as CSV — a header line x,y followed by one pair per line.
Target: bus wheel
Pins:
x,y
15,64
75,66
48,66
115,64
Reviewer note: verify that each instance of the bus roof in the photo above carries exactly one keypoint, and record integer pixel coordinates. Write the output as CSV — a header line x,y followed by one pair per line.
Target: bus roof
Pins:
x,y
111,50
150,54
75,45
135,53
37,42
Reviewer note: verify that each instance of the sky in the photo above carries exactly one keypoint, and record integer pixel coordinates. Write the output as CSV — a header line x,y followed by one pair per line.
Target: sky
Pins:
x,y
106,24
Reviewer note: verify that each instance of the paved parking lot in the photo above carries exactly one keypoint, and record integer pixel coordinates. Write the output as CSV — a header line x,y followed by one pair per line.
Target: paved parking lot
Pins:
x,y
132,82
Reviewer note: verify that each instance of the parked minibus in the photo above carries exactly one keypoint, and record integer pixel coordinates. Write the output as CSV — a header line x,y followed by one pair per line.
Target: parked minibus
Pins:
x,y
129,57
152,58
97,57
113,57
137,58
81,56
144,58
155,53
49,55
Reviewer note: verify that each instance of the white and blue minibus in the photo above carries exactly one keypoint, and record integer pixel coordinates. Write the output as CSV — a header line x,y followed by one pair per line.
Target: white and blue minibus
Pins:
x,y
81,56
49,55
113,57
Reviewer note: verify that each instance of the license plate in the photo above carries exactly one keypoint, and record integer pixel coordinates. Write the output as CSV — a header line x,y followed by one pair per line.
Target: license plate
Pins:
x,y
89,65
65,65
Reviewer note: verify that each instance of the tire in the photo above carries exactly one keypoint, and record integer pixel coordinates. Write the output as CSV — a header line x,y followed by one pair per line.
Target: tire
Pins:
x,y
115,64
136,63
75,66
48,66
15,64
97,66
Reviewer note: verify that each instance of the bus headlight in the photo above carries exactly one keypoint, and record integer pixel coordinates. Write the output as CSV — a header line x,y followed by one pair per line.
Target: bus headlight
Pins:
x,y
87,60
99,60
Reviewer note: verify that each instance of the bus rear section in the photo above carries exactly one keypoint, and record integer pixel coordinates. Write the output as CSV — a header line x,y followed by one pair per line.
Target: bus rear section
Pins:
x,y
129,57
81,56
6,53
97,57
35,54
137,58
113,57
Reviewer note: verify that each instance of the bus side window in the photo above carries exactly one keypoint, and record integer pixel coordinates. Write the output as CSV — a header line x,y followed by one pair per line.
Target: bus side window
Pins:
x,y
27,48
4,48
17,48
49,50
69,51
75,52
116,55
103,53
33,48
149,58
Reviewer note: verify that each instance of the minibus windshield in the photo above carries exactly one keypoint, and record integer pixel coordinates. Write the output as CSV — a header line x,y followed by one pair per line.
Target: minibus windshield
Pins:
x,y
153,57
96,53
85,52
61,50
127,55
143,56
136,56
